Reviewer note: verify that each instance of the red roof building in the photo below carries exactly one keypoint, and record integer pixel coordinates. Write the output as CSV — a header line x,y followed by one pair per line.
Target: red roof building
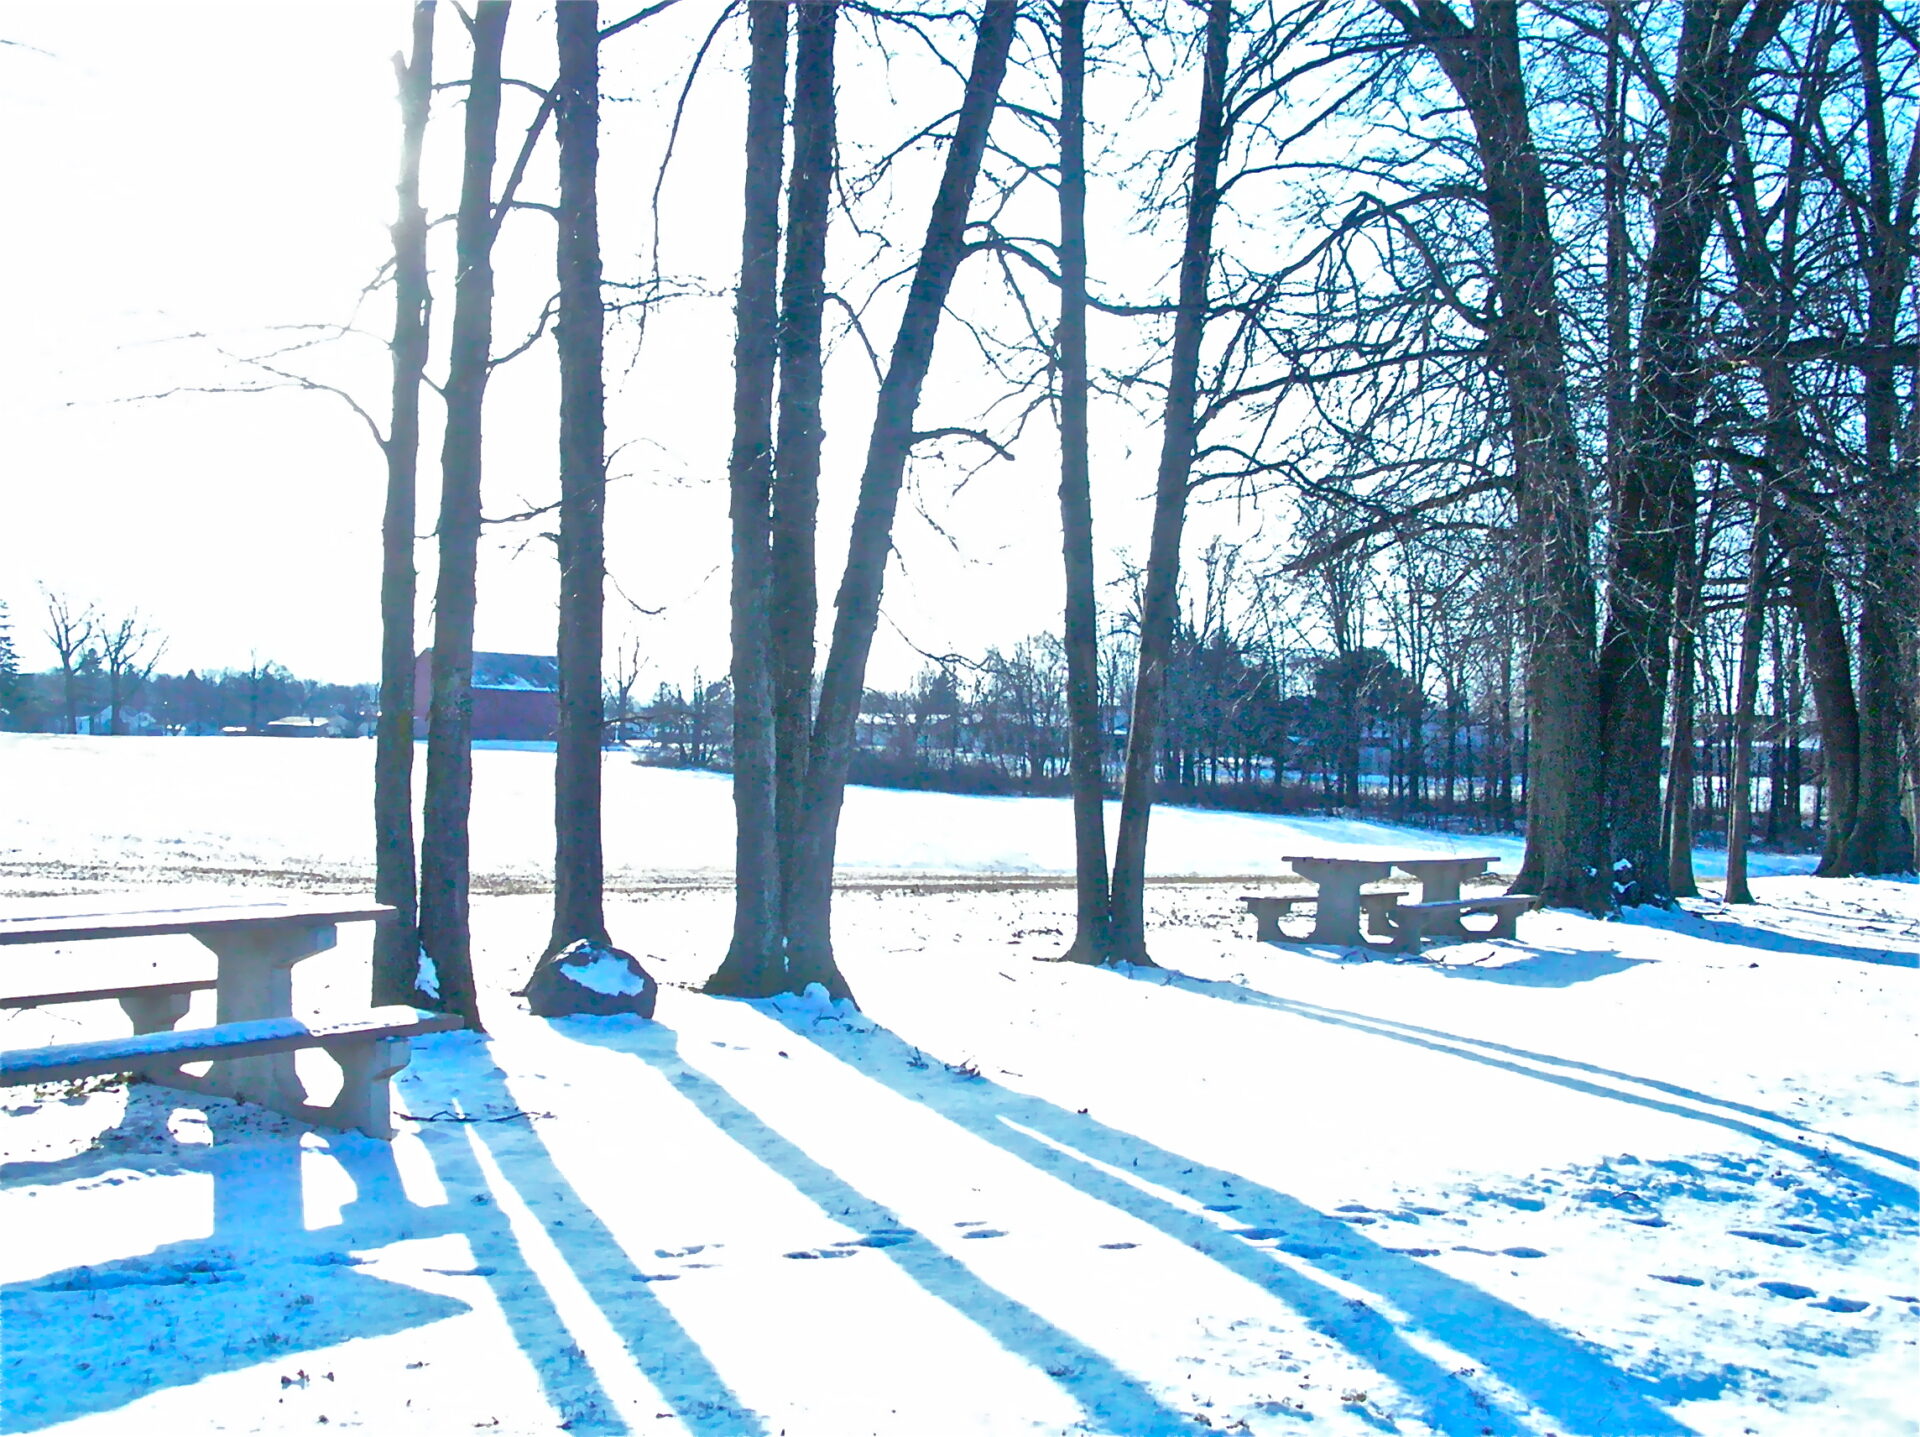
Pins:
x,y
516,697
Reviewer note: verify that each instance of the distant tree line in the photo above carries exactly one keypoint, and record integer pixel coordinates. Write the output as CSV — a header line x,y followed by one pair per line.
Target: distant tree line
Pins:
x,y
105,680
1256,719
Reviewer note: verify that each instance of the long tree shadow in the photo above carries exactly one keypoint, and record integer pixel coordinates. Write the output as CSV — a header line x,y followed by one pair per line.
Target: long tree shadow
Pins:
x,y
1724,928
1550,1370
1890,1191
660,1347
1101,1388
262,1287
1538,968
228,1300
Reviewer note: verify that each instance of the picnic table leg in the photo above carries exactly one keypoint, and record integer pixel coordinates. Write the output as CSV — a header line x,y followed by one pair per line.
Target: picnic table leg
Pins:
x,y
256,981
155,1012
366,1092
1336,916
1443,888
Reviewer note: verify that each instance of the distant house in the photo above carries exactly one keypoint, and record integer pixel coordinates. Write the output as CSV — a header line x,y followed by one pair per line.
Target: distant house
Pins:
x,y
515,696
300,727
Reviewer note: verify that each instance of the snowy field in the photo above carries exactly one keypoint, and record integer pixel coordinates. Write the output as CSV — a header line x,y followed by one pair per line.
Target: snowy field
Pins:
x,y
1647,1176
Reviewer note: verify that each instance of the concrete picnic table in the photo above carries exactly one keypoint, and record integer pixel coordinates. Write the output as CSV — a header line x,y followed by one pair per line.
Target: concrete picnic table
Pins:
x,y
1440,880
1338,881
255,946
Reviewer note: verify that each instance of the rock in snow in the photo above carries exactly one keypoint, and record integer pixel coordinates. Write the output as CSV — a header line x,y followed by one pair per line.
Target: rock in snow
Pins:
x,y
588,978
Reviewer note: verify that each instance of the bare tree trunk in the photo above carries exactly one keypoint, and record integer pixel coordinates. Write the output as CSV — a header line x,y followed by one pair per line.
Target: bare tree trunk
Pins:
x,y
1085,740
1178,435
1879,841
71,635
578,878
1653,511
396,945
1765,246
796,464
1753,620
444,864
1679,799
754,963
809,938
1565,850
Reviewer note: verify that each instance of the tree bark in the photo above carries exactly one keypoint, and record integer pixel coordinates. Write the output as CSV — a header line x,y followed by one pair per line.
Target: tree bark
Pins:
x,y
1653,510
796,465
1830,671
1564,859
1879,841
396,945
444,849
754,965
579,338
1678,837
857,605
1178,435
1753,620
1086,742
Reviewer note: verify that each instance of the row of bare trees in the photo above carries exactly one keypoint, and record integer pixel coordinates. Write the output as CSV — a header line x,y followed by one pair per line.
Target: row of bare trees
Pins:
x,y
1613,298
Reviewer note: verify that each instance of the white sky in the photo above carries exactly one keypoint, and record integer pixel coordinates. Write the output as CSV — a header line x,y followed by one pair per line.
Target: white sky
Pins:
x,y
217,170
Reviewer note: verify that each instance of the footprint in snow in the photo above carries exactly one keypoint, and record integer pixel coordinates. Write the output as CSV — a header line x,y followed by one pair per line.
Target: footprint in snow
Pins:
x,y
1522,1252
1675,1278
1648,1221
1306,1250
1427,1211
984,1232
1223,1207
1776,1239
1806,1227
877,1239
1416,1251
680,1251
1840,1304
1118,1246
1792,1290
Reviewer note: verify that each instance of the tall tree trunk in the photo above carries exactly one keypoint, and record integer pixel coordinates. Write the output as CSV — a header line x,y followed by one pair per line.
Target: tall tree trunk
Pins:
x,y
796,465
1653,510
1830,669
1178,434
754,963
1085,740
1879,841
809,936
1679,800
1564,854
578,879
444,848
1765,247
1753,620
396,945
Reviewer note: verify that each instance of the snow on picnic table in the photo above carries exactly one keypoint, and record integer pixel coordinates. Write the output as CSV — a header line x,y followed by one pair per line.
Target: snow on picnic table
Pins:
x,y
1644,1176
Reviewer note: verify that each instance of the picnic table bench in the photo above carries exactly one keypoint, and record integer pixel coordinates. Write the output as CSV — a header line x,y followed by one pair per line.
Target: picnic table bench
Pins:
x,y
255,1034
1339,901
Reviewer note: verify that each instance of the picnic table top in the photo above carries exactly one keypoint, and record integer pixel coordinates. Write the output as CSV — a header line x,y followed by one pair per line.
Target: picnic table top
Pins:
x,y
79,918
1373,861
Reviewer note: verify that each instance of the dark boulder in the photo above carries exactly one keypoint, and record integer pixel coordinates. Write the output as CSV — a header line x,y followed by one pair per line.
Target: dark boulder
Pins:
x,y
592,979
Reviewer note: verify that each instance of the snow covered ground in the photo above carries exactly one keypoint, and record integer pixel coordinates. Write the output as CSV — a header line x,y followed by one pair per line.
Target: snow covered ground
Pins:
x,y
1646,1176
281,811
